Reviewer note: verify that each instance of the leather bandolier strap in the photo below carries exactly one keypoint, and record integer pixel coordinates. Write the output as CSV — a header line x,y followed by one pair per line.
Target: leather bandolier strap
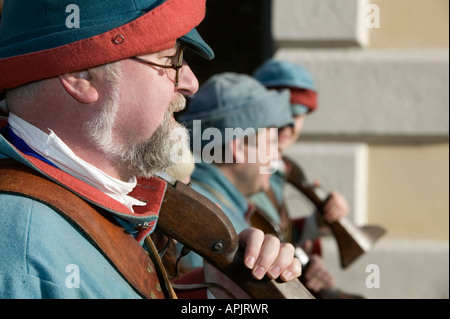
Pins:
x,y
124,253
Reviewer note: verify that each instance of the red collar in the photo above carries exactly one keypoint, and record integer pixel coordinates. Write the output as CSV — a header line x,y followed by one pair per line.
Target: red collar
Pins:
x,y
151,191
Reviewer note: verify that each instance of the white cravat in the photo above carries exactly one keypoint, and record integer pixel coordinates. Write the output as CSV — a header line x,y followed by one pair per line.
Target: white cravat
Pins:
x,y
56,151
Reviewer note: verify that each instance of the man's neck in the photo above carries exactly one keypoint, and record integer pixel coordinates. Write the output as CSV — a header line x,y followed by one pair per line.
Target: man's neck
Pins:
x,y
53,149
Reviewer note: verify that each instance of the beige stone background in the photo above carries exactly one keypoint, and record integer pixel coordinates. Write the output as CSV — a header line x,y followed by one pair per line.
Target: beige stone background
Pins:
x,y
380,135
419,173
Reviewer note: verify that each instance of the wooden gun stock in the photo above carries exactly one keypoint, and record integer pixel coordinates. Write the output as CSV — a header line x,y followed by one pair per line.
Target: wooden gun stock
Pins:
x,y
352,240
201,226
260,219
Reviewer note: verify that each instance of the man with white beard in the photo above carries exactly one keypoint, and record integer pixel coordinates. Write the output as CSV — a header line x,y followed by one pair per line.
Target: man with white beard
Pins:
x,y
91,107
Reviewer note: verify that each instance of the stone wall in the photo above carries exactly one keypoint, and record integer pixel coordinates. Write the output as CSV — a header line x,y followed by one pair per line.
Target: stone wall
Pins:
x,y
380,134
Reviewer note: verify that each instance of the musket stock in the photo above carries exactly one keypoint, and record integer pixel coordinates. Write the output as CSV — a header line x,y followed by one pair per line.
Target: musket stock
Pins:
x,y
260,219
200,225
352,240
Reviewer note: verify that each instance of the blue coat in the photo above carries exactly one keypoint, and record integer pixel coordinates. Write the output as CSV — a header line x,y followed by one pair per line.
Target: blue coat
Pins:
x,y
263,201
42,255
209,181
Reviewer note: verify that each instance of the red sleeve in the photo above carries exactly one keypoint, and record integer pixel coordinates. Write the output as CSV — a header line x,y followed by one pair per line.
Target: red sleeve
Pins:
x,y
195,276
299,224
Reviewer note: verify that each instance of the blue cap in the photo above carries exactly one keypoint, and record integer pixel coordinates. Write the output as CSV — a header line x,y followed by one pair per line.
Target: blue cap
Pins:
x,y
57,37
284,74
195,43
278,74
236,101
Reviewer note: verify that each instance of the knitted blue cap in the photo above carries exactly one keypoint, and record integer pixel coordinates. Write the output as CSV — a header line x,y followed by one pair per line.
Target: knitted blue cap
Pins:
x,y
236,101
52,37
275,73
284,74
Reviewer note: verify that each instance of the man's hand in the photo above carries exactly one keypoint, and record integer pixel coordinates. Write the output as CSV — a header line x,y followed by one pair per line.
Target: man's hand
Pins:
x,y
264,255
317,276
335,207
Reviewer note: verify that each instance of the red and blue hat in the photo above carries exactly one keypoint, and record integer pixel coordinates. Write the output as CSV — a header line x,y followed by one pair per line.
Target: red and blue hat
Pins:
x,y
236,102
45,38
277,74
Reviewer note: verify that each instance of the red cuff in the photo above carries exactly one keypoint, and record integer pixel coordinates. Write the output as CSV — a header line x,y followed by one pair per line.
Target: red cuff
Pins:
x,y
195,276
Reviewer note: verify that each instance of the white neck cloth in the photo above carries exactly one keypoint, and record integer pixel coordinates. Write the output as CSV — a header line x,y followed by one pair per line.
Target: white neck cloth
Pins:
x,y
56,151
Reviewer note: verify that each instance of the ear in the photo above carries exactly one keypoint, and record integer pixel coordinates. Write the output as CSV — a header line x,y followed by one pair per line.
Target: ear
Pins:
x,y
79,86
238,149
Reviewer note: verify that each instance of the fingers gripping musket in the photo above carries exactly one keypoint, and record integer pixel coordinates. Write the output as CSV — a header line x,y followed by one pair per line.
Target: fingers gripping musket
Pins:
x,y
200,225
352,240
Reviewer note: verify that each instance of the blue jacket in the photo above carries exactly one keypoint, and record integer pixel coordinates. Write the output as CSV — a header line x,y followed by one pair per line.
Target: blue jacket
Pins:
x,y
209,181
42,255
263,201
305,228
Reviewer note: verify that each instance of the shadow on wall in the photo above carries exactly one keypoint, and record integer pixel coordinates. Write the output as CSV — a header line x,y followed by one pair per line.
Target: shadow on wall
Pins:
x,y
394,269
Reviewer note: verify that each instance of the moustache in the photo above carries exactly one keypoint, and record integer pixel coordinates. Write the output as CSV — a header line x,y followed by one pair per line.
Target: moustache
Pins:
x,y
177,104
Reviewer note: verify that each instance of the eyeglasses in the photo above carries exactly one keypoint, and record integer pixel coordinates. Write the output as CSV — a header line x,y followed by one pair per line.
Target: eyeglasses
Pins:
x,y
176,67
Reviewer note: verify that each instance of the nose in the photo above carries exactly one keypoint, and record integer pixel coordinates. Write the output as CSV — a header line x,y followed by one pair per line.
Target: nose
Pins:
x,y
187,82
